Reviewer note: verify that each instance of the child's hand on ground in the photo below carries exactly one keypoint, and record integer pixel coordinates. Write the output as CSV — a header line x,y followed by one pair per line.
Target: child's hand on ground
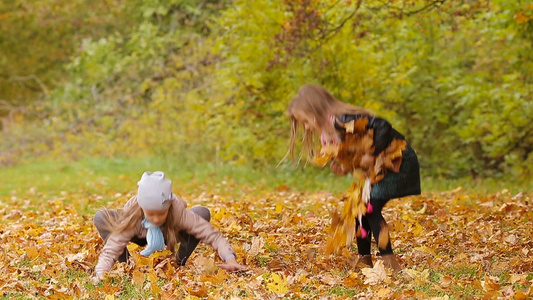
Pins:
x,y
232,265
97,278
338,168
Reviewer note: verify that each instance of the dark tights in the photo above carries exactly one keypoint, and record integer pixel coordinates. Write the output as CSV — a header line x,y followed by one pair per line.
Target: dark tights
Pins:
x,y
372,224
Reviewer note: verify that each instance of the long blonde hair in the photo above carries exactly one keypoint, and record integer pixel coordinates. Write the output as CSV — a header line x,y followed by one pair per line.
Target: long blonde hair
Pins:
x,y
133,215
316,102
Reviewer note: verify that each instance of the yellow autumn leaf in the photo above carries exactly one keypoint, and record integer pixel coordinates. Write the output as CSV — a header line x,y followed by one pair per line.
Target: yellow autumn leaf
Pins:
x,y
279,208
32,252
205,265
322,159
141,260
162,253
155,288
276,283
342,229
384,292
425,249
330,150
417,230
522,295
137,278
152,276
132,247
220,214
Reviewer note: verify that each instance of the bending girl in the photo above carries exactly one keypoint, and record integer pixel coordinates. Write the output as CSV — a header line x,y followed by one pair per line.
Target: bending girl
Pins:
x,y
320,113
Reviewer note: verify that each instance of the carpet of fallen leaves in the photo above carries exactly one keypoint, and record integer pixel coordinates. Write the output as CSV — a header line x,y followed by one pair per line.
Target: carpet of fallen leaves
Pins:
x,y
453,245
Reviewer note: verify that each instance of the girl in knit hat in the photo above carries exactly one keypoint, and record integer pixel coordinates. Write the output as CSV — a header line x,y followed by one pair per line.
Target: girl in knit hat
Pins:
x,y
158,218
393,176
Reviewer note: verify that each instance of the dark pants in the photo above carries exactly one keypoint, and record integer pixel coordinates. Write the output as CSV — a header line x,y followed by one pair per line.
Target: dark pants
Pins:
x,y
372,224
187,242
393,185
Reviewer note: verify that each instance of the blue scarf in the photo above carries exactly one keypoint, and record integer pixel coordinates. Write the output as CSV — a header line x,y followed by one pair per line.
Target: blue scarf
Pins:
x,y
154,237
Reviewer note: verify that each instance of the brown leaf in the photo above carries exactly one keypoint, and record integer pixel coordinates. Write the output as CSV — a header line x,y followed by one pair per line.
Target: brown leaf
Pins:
x,y
445,281
221,276
490,284
352,280
198,290
276,265
360,125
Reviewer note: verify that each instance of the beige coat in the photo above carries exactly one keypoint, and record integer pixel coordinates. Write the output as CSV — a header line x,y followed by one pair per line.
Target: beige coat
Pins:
x,y
184,219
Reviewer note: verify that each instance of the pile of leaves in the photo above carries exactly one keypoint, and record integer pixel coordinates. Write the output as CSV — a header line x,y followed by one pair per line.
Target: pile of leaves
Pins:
x,y
451,244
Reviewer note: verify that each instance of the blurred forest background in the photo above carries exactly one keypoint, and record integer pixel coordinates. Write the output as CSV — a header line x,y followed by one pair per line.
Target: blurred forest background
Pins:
x,y
209,81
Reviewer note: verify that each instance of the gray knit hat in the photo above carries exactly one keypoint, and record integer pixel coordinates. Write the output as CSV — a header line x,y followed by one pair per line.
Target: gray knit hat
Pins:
x,y
155,191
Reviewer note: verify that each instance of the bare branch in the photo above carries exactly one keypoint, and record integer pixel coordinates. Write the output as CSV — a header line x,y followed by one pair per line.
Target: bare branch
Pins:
x,y
400,13
30,77
326,36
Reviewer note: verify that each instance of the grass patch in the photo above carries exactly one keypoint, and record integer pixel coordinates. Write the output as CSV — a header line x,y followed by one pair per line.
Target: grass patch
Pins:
x,y
340,291
426,288
309,290
132,292
17,296
92,175
95,174
263,260
466,271
435,276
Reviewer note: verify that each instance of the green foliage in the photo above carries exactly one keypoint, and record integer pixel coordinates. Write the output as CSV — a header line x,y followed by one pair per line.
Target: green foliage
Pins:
x,y
37,37
209,81
463,99
125,91
440,77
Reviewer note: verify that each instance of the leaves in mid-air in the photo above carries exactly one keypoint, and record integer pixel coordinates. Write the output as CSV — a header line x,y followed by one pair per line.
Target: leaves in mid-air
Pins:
x,y
351,153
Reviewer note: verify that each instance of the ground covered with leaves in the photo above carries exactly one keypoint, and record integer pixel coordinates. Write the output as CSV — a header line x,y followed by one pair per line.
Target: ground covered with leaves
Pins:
x,y
453,245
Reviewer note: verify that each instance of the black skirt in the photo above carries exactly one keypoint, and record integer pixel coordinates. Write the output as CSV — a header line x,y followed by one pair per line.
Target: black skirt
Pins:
x,y
401,184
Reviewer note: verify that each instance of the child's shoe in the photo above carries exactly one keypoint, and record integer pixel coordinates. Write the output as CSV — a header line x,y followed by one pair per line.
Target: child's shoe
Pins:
x,y
365,261
390,261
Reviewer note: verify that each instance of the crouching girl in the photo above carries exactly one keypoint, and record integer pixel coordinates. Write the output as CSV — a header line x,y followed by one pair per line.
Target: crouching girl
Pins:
x,y
156,218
